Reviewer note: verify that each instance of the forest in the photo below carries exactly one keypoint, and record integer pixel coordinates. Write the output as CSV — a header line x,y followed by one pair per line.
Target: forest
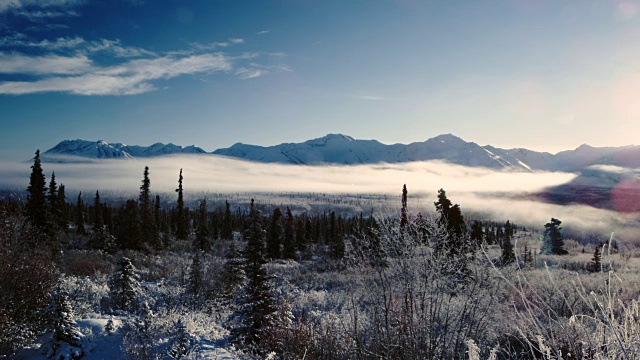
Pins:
x,y
157,277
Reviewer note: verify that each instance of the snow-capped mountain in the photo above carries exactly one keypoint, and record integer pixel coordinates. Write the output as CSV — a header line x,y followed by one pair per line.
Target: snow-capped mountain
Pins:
x,y
67,150
343,149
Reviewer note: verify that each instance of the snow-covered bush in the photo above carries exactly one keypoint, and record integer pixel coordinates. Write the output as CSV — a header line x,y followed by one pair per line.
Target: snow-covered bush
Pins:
x,y
182,343
66,342
140,333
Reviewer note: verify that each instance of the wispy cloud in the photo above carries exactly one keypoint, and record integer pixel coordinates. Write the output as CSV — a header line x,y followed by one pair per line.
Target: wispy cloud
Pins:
x,y
66,64
130,78
36,10
369,97
262,32
76,44
244,73
38,65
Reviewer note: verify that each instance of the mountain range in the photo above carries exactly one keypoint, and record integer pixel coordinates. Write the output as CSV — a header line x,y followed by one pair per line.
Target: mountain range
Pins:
x,y
342,149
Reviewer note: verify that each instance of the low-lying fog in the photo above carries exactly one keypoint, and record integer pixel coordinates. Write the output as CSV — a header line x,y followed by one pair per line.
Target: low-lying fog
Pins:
x,y
498,194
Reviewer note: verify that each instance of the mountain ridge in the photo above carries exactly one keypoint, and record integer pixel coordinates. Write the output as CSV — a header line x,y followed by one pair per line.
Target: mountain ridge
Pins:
x,y
346,150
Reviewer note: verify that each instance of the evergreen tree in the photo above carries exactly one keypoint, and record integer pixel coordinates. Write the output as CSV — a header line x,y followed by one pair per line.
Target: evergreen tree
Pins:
x,y
256,308
182,232
54,201
148,227
128,229
63,215
403,210
157,213
202,241
194,286
596,261
227,229
300,234
138,340
274,234
508,256
98,222
182,343
289,246
233,273
124,286
36,207
80,215
477,235
67,338
553,242
451,217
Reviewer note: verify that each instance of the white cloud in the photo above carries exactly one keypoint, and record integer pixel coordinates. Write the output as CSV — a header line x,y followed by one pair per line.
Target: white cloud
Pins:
x,y
244,73
40,9
133,77
78,44
37,65
262,32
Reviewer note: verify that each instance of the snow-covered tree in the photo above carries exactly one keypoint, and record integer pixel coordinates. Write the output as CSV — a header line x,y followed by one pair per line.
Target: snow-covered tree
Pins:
x,y
255,310
139,336
124,286
182,343
553,242
67,340
110,327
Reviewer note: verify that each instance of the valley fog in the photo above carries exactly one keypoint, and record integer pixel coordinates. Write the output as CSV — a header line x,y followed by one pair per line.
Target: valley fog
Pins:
x,y
480,192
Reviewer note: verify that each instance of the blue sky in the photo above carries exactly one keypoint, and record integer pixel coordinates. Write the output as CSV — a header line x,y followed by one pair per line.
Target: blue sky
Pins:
x,y
543,74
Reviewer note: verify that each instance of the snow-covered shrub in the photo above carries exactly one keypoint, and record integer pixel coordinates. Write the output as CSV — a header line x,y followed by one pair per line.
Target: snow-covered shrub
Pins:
x,y
66,342
86,293
182,343
110,328
140,333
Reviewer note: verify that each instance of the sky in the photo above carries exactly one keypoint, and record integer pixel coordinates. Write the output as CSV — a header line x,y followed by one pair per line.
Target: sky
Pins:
x,y
541,74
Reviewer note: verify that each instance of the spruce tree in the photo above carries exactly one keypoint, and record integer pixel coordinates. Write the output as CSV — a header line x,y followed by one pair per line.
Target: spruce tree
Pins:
x,y
233,274
404,221
182,232
256,310
54,201
148,226
451,217
202,241
553,242
288,244
36,207
80,215
226,233
128,229
63,215
273,235
67,338
194,286
477,235
182,343
98,221
596,261
508,256
124,286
